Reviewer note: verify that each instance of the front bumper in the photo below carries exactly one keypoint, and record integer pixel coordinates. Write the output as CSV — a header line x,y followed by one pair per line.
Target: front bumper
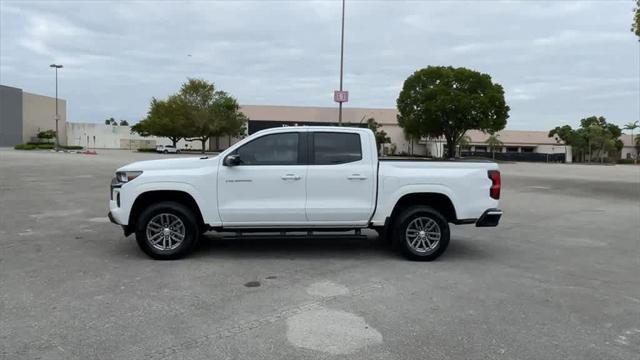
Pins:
x,y
126,228
116,214
489,218
112,219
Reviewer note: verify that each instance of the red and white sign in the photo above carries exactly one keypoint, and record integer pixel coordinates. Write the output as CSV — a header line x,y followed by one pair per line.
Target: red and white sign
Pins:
x,y
340,96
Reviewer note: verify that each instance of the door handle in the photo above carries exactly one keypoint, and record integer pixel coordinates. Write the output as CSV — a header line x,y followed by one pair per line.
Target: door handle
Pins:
x,y
291,177
356,177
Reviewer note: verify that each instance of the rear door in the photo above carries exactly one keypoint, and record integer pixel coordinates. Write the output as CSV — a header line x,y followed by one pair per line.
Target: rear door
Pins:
x,y
340,179
268,186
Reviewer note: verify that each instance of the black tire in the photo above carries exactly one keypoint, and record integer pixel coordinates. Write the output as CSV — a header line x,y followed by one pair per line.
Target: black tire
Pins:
x,y
189,225
166,152
177,151
421,253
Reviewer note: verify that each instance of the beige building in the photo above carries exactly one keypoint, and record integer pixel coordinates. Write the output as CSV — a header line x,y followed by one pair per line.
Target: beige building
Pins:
x,y
265,116
98,135
23,115
515,141
518,141
630,149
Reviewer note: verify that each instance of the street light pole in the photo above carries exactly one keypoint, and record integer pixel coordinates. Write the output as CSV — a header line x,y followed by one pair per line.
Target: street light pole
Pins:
x,y
341,64
56,66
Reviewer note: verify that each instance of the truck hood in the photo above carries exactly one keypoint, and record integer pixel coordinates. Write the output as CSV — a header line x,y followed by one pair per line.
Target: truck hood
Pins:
x,y
167,164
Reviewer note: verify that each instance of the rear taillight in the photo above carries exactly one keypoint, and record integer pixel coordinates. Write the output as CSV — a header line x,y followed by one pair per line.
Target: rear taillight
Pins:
x,y
494,191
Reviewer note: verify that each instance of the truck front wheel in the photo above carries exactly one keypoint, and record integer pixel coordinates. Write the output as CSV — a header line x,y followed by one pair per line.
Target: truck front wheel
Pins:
x,y
167,230
421,233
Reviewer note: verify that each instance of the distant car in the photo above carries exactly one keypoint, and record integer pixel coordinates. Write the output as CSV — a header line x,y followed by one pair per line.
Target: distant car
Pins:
x,y
166,149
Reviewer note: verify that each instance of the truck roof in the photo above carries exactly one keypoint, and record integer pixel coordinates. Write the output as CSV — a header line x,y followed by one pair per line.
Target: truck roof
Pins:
x,y
314,128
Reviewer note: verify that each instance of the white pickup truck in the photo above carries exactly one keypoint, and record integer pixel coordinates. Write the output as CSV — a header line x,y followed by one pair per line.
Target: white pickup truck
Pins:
x,y
307,179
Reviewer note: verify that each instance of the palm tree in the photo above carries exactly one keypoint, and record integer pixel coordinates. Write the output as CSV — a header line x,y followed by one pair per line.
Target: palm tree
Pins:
x,y
493,142
632,126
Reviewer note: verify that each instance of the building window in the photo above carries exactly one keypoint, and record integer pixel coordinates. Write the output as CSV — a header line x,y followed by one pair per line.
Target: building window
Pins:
x,y
512,149
528,149
481,148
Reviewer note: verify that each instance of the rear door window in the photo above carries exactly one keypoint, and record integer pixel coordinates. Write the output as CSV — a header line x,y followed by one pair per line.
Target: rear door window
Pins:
x,y
332,148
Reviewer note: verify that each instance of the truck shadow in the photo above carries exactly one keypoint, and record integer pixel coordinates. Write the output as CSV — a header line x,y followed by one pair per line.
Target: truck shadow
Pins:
x,y
291,248
215,246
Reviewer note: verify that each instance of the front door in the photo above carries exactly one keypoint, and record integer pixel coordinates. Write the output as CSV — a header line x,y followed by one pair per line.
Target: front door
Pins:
x,y
268,186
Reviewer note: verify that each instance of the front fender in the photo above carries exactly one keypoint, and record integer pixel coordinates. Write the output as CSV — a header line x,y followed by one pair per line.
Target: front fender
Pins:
x,y
130,193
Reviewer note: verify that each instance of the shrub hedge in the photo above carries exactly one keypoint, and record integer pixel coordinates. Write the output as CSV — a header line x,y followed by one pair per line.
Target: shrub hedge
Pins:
x,y
36,143
24,147
45,146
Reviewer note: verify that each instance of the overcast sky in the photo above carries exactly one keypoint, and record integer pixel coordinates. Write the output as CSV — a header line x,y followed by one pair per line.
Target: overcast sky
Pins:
x,y
558,61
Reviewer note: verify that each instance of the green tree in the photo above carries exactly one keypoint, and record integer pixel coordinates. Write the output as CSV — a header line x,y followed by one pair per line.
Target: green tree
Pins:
x,y
445,101
568,137
124,123
46,135
166,118
212,113
493,142
635,26
595,135
229,120
381,135
196,112
110,121
601,136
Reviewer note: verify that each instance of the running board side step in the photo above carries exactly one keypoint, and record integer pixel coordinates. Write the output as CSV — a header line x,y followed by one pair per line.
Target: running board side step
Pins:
x,y
353,235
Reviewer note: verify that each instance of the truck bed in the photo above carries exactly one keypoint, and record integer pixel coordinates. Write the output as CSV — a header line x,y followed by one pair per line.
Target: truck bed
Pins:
x,y
412,158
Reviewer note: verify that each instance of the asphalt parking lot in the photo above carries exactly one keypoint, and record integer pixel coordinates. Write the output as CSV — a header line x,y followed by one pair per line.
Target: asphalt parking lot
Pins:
x,y
558,279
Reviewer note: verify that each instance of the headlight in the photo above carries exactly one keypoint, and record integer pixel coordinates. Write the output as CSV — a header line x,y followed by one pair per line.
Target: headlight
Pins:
x,y
126,176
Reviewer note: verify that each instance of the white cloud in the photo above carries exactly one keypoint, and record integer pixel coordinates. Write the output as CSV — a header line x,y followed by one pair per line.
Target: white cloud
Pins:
x,y
555,59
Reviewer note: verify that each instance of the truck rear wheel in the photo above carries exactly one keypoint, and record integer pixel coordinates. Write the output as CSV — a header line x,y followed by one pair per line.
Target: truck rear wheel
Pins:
x,y
421,233
167,230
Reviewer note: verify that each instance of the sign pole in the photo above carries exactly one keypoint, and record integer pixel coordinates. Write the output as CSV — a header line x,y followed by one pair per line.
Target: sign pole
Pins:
x,y
341,63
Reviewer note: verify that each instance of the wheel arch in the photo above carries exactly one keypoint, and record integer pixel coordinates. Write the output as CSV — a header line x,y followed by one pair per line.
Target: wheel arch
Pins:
x,y
147,198
438,201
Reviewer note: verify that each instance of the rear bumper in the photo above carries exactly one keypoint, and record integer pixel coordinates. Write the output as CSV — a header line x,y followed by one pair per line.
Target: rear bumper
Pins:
x,y
489,218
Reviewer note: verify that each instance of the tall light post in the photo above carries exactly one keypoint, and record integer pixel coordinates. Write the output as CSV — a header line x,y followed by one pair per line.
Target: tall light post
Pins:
x,y
56,66
341,96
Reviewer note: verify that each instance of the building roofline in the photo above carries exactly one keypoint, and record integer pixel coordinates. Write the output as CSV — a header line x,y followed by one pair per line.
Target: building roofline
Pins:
x,y
321,107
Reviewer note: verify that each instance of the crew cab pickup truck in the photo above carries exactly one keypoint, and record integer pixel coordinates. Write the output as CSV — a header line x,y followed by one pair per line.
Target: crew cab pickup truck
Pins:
x,y
307,179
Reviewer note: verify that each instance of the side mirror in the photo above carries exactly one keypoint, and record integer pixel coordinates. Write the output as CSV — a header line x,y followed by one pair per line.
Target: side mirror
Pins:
x,y
231,160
